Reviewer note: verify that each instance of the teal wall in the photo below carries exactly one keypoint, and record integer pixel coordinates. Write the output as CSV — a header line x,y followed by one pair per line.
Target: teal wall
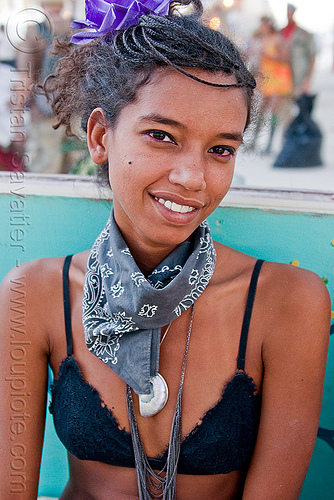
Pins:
x,y
56,226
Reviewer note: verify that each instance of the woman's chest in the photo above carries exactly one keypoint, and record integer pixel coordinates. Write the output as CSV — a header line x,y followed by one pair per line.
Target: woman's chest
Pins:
x,y
91,397
220,442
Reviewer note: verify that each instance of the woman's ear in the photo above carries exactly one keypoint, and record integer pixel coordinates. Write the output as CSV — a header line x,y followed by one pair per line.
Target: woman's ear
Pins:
x,y
97,136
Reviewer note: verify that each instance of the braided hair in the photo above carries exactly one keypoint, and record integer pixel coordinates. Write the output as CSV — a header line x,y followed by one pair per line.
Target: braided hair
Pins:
x,y
109,71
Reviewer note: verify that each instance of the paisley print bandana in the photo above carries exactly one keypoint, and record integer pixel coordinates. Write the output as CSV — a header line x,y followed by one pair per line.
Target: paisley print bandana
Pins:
x,y
123,311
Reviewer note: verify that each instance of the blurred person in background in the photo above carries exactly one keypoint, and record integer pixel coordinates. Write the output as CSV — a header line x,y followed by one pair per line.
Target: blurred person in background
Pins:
x,y
302,52
44,145
270,50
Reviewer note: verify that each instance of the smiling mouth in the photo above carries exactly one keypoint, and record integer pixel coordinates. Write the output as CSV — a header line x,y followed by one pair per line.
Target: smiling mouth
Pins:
x,y
175,207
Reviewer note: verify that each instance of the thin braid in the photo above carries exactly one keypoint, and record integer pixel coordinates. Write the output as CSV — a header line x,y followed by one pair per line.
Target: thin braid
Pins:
x,y
145,31
206,82
190,63
131,40
151,40
154,23
168,62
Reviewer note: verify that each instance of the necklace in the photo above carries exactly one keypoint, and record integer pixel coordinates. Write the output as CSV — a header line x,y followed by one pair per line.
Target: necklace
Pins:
x,y
147,479
164,335
152,403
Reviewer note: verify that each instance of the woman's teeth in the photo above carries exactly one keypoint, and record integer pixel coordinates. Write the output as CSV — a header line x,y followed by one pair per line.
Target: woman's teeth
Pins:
x,y
175,207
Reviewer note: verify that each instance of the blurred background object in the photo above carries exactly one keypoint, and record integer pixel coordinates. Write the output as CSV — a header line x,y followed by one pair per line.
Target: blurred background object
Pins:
x,y
37,60
303,138
27,121
309,30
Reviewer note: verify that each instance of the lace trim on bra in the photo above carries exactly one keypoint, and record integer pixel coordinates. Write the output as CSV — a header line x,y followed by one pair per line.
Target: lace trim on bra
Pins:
x,y
69,363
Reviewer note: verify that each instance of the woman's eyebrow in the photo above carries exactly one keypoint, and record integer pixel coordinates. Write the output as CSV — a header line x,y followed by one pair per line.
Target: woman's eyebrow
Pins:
x,y
153,117
231,136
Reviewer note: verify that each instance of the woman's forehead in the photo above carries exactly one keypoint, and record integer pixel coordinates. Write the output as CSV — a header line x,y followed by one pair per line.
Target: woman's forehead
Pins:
x,y
170,93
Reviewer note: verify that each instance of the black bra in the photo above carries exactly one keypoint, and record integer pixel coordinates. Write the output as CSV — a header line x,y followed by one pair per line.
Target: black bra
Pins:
x,y
223,441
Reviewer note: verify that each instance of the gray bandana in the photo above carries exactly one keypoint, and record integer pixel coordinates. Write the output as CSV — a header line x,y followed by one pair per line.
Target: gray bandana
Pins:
x,y
123,311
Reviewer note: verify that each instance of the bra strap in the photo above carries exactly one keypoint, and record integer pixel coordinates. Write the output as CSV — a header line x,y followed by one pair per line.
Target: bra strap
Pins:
x,y
67,308
248,314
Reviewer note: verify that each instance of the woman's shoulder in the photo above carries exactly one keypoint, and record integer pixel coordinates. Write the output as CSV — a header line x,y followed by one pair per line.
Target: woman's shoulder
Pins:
x,y
25,302
32,288
294,317
36,276
297,298
32,274
292,305
285,288
38,286
41,275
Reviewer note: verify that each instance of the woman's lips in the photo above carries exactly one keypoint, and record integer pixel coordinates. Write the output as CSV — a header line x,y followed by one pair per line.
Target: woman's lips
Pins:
x,y
174,212
175,207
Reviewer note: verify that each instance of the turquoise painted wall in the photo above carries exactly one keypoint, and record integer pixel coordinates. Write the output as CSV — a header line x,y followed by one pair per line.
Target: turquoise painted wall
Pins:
x,y
42,226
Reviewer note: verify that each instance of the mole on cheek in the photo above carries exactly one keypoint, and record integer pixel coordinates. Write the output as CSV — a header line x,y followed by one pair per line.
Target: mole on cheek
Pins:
x,y
129,162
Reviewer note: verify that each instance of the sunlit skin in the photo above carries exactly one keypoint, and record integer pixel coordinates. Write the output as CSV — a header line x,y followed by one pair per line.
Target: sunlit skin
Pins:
x,y
177,145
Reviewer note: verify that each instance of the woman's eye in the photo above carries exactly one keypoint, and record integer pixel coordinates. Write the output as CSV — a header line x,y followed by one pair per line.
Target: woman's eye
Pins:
x,y
161,136
223,151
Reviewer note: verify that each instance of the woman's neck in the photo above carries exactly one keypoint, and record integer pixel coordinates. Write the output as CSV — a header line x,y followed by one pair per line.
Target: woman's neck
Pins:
x,y
147,259
147,253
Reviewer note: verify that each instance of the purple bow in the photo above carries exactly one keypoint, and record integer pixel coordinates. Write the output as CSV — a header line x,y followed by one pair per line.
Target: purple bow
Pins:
x,y
104,16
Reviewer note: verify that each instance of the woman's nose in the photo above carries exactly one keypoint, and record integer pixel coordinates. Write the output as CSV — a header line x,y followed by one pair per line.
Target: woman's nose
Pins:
x,y
189,175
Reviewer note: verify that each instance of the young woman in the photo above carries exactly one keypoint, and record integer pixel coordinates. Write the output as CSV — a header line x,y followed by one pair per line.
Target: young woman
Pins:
x,y
156,321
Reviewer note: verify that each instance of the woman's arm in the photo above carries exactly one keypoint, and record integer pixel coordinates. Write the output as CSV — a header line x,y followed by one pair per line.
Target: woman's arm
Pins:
x,y
294,358
23,383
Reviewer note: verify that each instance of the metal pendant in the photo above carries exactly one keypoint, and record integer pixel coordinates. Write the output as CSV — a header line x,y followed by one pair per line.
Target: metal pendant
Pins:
x,y
150,404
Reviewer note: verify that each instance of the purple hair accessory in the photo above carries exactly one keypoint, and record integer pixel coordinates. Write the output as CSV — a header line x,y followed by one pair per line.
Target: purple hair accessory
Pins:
x,y
104,16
